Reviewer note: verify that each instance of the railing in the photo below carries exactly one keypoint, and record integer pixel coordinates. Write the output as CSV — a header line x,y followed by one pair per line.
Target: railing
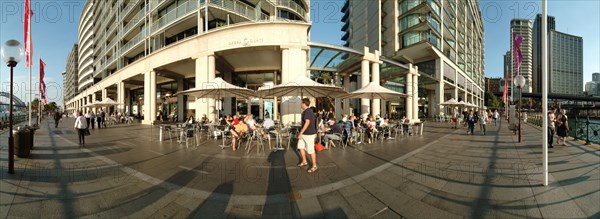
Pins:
x,y
155,3
126,10
134,41
113,42
585,129
175,14
135,20
294,6
580,129
240,8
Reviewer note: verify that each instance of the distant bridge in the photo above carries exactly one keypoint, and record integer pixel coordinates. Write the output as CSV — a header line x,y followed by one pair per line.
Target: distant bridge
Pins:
x,y
555,96
17,102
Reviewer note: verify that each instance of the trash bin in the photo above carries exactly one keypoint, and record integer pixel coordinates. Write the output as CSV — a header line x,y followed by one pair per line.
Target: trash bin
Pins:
x,y
21,142
32,130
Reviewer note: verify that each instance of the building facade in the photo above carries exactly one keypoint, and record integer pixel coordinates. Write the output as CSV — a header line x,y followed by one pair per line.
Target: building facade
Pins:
x,y
592,88
70,76
523,28
508,68
492,85
566,70
537,50
443,38
142,52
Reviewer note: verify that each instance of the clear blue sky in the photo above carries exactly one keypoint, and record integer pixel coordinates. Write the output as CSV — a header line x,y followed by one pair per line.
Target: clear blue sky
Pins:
x,y
55,30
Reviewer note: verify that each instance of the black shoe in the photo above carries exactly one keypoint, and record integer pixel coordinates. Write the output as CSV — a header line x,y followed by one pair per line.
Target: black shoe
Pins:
x,y
550,146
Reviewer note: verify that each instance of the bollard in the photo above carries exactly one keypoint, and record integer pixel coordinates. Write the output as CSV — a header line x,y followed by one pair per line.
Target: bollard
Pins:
x,y
160,134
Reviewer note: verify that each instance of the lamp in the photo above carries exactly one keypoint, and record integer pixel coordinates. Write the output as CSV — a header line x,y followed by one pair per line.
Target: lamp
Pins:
x,y
519,81
12,52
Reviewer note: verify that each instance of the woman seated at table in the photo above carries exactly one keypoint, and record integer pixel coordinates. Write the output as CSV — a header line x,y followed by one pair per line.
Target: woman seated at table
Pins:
x,y
371,129
204,119
190,120
334,132
239,129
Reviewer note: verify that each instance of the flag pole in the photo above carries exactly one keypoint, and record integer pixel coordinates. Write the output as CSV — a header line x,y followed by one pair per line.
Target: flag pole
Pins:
x,y
31,63
545,91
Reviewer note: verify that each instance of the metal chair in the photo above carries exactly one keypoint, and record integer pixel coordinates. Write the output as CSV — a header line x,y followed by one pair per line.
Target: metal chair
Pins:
x,y
256,134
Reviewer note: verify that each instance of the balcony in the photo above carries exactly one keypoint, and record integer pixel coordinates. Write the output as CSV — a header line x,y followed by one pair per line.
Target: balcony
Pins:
x,y
126,10
240,8
174,15
133,42
293,6
155,3
134,21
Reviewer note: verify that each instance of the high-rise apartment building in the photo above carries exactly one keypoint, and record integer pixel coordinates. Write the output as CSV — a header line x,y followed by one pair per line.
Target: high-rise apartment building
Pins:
x,y
523,28
537,50
566,70
70,76
444,38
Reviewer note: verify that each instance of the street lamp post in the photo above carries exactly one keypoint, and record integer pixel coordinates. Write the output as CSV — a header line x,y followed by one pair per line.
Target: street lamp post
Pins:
x,y
520,82
12,52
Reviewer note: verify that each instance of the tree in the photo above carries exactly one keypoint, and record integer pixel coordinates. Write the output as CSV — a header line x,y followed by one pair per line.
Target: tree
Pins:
x,y
52,106
492,101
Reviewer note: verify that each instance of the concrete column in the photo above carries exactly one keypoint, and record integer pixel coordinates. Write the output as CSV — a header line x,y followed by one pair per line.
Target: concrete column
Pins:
x,y
364,79
121,97
202,78
409,92
149,107
294,64
346,103
104,94
181,104
465,96
275,114
338,101
415,91
211,76
93,100
437,99
375,75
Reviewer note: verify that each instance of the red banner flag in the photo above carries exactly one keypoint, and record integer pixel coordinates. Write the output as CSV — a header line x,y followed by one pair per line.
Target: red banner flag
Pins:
x,y
42,84
27,34
518,56
530,103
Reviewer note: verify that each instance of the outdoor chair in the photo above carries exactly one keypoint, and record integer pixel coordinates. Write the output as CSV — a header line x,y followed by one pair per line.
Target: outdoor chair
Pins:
x,y
169,130
259,141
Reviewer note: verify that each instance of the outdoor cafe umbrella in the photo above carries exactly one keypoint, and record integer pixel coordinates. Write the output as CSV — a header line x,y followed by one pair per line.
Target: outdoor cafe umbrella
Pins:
x,y
375,91
105,102
217,89
450,102
302,86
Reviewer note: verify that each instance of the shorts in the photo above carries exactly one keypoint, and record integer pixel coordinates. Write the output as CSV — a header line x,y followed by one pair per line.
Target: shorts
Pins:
x,y
307,143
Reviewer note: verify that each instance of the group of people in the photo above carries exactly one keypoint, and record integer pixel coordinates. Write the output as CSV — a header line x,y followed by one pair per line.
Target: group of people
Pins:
x,y
482,117
83,122
558,123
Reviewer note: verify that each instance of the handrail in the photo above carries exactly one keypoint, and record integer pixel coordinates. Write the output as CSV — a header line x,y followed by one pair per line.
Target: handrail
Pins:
x,y
134,41
294,6
134,21
174,15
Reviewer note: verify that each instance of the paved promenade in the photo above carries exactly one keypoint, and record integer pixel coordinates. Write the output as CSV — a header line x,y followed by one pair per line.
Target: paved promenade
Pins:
x,y
124,171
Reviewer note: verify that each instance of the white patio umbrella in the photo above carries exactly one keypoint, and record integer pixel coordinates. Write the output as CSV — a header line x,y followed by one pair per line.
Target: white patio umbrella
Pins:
x,y
375,91
105,102
450,102
217,89
302,86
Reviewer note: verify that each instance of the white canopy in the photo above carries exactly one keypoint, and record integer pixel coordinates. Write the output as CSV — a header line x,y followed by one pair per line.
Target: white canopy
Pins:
x,y
105,102
302,86
375,91
450,102
217,89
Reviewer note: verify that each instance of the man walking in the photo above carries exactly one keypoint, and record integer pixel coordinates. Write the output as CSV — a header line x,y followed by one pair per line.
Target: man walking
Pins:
x,y
57,116
103,119
551,129
306,136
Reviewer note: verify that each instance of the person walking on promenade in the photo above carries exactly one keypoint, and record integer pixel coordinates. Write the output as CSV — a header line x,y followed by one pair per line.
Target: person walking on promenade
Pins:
x,y
562,128
57,117
81,126
454,118
483,120
99,119
471,119
524,117
306,136
496,117
551,126
88,118
103,116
